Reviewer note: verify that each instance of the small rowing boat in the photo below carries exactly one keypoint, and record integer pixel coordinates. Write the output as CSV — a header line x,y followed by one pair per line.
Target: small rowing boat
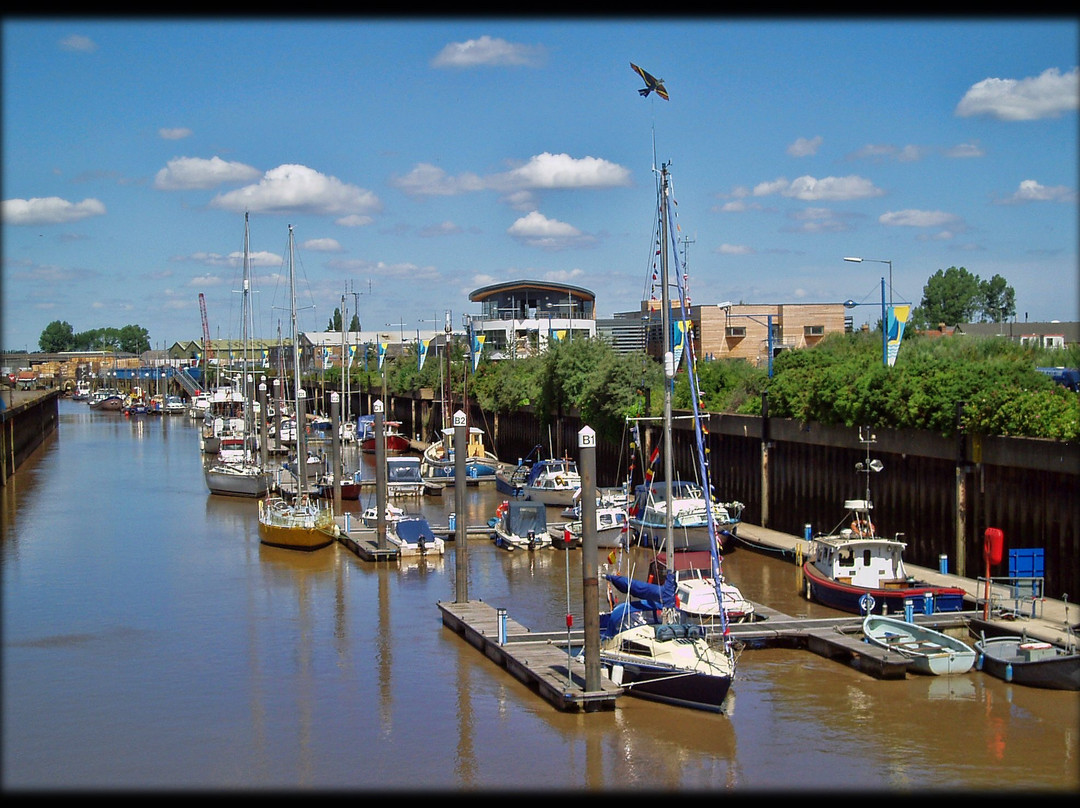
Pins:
x,y
930,652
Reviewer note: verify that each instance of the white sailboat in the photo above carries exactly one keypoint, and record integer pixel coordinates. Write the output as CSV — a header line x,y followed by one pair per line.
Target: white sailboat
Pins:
x,y
644,646
240,473
301,523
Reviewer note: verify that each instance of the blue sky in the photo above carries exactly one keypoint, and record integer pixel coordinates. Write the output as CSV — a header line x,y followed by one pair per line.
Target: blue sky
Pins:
x,y
420,160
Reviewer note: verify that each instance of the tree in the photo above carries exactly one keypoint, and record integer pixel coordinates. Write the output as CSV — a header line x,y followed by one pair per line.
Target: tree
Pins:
x,y
997,300
950,296
57,336
335,321
134,339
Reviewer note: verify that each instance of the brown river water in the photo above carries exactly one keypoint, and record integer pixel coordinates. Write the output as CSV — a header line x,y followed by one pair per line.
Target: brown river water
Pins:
x,y
151,643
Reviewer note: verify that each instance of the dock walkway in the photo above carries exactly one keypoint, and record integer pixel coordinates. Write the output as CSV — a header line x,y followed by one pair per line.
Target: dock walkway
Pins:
x,y
541,661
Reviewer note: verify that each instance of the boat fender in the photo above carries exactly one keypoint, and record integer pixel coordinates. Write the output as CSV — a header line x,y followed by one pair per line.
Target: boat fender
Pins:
x,y
1008,671
979,663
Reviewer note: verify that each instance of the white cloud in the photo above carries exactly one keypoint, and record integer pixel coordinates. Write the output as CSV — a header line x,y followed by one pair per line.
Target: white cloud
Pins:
x,y
296,188
802,147
541,172
563,171
1047,95
441,229
536,230
184,173
878,152
428,180
489,52
963,150
734,249
177,133
918,218
78,43
259,258
321,245
818,220
1032,191
811,189
49,210
353,220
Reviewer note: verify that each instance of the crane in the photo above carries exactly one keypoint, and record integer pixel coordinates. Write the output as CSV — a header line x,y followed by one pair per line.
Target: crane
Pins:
x,y
207,350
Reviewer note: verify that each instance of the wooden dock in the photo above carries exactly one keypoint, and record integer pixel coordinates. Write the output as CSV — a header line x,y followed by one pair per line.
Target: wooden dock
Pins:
x,y
362,540
539,660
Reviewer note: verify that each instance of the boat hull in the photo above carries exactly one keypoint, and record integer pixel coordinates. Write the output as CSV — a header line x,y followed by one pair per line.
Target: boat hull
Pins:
x,y
476,471
1033,664
227,481
926,599
694,539
697,691
285,526
930,652
395,445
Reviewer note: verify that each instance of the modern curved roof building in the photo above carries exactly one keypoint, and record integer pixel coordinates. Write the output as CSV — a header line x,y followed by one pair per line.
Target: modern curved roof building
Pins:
x,y
519,318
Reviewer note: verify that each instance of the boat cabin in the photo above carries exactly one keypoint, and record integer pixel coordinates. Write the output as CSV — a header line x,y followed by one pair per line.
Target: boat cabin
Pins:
x,y
874,563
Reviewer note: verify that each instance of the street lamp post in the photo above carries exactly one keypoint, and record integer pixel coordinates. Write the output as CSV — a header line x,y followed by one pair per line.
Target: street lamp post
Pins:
x,y
850,304
877,261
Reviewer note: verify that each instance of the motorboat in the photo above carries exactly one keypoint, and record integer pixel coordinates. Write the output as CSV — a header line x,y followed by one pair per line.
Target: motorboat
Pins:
x,y
612,529
864,574
1025,661
520,524
438,463
412,535
698,598
690,517
554,481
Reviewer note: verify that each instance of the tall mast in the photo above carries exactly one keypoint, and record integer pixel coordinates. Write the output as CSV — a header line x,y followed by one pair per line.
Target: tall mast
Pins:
x,y
245,340
301,444
669,364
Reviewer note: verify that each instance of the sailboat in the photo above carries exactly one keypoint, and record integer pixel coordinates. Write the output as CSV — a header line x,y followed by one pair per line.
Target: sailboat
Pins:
x,y
644,645
240,473
301,523
438,463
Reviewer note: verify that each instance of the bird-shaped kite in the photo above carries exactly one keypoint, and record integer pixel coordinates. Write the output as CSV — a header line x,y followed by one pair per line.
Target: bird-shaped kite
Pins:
x,y
651,83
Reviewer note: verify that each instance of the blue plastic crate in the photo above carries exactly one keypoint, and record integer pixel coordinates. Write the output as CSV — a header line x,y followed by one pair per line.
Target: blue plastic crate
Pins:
x,y
1026,563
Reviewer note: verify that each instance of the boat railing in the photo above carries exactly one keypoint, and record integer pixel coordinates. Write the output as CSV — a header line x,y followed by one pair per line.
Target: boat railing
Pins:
x,y
1018,595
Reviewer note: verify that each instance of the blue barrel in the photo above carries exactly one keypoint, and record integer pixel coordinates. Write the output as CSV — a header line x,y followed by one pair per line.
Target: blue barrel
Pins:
x,y
943,564
928,602
453,522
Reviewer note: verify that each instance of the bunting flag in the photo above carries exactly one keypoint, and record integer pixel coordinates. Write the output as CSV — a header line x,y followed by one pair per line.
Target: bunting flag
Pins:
x,y
422,353
478,347
325,357
678,341
266,358
352,354
382,346
611,557
897,317
650,472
